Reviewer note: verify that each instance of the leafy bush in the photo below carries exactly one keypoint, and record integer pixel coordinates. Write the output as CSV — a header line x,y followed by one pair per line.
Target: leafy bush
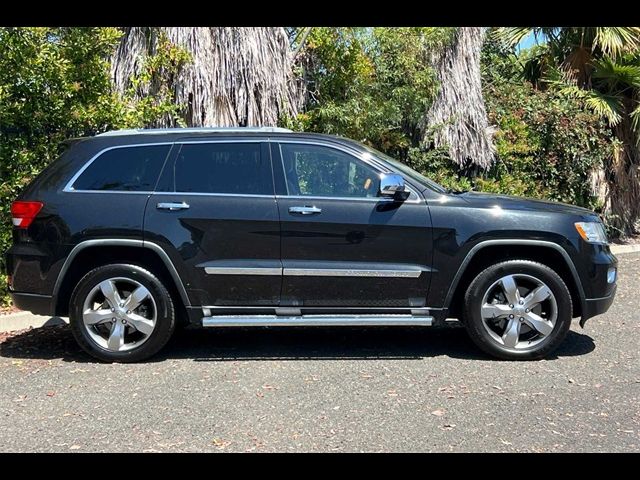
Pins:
x,y
547,144
54,85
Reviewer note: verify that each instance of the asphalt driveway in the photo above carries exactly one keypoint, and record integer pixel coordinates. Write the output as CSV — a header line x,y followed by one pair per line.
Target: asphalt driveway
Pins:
x,y
326,389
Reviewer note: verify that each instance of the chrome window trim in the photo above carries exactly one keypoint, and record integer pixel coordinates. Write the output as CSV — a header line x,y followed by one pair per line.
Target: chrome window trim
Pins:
x,y
68,188
200,194
357,199
365,157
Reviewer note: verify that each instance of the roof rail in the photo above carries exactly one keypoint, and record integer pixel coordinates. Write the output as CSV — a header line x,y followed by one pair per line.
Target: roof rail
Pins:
x,y
152,131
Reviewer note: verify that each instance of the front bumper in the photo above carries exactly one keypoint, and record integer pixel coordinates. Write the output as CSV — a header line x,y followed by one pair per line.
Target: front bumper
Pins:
x,y
31,302
596,306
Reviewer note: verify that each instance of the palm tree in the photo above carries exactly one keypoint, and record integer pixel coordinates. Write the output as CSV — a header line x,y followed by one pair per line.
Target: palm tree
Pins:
x,y
600,65
236,76
457,120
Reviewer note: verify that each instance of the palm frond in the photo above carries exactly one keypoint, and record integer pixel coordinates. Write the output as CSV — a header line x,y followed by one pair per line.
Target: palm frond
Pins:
x,y
511,36
615,74
606,106
614,41
635,123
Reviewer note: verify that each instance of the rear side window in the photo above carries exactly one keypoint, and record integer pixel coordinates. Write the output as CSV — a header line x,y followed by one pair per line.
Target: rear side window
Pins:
x,y
133,169
236,168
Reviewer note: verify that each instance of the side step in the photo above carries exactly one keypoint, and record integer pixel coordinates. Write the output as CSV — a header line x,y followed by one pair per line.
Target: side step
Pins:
x,y
316,320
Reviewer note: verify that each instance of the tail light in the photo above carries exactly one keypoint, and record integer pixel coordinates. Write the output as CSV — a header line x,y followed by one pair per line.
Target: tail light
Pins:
x,y
23,213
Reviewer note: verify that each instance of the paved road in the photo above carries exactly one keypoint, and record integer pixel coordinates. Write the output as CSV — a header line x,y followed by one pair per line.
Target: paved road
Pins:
x,y
329,390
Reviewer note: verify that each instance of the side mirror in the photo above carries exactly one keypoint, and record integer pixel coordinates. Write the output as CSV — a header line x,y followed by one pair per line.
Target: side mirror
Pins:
x,y
392,185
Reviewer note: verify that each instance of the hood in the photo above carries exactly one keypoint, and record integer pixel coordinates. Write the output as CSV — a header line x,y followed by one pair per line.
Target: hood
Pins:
x,y
510,202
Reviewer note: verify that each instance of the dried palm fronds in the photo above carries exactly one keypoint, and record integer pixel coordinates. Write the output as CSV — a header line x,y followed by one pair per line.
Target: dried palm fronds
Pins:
x,y
236,76
457,119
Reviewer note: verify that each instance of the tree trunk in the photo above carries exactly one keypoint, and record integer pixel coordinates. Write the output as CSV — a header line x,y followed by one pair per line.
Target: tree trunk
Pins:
x,y
458,118
622,201
237,76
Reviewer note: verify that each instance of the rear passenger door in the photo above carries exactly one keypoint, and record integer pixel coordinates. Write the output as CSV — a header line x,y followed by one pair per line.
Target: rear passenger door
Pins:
x,y
214,212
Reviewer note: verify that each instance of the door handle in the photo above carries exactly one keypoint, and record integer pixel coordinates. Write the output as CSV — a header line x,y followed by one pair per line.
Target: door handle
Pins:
x,y
172,206
305,210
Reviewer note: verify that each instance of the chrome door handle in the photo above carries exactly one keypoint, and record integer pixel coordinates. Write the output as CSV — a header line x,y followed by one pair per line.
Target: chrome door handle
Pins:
x,y
305,210
172,206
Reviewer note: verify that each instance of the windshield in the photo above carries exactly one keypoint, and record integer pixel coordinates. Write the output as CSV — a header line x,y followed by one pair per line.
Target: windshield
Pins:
x,y
408,171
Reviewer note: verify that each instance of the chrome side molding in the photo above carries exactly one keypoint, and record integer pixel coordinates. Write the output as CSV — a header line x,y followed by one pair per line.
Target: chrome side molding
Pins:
x,y
348,272
243,271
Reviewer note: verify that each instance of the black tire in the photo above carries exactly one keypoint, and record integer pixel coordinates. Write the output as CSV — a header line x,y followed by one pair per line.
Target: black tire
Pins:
x,y
474,322
165,313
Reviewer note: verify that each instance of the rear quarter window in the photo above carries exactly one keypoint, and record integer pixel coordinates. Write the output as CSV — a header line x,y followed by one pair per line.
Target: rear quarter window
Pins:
x,y
132,169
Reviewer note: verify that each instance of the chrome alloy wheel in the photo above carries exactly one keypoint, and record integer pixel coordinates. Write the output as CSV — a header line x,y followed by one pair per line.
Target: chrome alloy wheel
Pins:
x,y
119,314
519,311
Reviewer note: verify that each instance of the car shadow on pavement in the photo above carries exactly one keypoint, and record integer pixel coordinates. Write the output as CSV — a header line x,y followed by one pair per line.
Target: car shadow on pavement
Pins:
x,y
292,343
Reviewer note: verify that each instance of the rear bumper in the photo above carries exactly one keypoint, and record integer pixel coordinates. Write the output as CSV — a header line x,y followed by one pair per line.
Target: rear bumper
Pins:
x,y
596,306
31,302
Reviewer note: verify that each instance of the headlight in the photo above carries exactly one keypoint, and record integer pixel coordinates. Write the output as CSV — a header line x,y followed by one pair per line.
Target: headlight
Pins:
x,y
592,232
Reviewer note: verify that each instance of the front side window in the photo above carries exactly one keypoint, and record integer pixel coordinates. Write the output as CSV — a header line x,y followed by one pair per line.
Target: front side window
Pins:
x,y
314,170
132,169
236,168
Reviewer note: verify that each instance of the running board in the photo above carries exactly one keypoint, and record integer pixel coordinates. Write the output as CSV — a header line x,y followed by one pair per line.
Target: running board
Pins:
x,y
316,321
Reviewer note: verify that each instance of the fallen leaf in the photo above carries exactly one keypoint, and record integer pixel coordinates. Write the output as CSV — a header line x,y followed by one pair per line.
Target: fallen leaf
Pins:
x,y
438,413
219,443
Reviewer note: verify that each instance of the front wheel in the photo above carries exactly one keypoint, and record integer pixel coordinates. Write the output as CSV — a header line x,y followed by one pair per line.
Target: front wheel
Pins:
x,y
518,310
121,313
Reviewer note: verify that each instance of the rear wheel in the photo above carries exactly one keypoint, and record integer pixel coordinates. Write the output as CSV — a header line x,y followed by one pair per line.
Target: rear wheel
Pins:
x,y
121,313
518,310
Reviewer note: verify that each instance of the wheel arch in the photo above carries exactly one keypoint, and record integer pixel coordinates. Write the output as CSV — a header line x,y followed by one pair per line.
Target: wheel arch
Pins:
x,y
93,253
492,251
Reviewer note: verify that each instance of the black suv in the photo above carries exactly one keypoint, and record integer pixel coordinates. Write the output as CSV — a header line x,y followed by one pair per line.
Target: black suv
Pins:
x,y
132,232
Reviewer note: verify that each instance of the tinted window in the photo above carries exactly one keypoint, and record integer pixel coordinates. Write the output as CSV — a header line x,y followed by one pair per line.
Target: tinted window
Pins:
x,y
326,172
223,168
130,168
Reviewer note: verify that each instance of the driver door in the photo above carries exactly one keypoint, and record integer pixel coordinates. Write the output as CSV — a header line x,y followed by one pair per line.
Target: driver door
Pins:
x,y
342,244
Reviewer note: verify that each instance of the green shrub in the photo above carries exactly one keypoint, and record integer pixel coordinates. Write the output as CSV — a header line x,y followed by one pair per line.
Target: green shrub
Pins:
x,y
54,85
